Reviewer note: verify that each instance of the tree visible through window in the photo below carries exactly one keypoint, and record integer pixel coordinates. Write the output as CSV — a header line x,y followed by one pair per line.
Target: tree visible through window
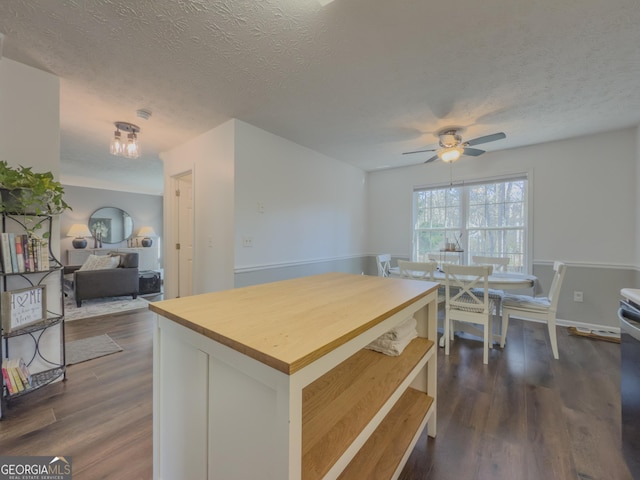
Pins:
x,y
487,219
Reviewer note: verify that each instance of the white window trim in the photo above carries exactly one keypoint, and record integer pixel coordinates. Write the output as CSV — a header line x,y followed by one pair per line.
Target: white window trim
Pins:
x,y
527,174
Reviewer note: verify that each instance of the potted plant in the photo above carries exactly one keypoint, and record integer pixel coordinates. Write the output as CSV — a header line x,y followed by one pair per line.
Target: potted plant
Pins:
x,y
30,194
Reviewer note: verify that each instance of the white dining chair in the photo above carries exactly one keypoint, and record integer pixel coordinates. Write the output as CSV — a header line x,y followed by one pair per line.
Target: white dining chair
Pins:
x,y
463,304
536,308
444,257
499,263
417,270
384,264
421,271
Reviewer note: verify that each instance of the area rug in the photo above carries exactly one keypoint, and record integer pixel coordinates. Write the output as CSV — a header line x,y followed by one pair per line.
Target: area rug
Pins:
x,y
89,348
99,307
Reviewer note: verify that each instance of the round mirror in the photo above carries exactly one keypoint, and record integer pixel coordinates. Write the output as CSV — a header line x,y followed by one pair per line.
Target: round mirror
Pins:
x,y
112,224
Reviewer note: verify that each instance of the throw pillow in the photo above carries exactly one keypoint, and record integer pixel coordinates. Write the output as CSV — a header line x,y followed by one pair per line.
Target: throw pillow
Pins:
x,y
117,257
99,262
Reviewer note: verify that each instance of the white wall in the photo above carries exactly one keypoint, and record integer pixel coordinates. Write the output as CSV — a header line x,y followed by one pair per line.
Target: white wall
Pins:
x,y
313,207
210,156
30,136
584,205
30,121
29,117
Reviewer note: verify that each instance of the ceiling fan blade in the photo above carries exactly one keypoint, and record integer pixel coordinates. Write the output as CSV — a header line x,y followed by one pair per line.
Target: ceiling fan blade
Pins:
x,y
435,157
420,151
486,139
473,152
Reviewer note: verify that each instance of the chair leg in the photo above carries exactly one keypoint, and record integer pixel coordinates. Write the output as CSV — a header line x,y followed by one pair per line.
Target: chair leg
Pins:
x,y
485,350
490,323
551,323
505,325
447,340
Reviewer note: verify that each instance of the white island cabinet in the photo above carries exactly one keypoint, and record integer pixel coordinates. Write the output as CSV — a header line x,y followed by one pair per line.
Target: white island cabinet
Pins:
x,y
273,381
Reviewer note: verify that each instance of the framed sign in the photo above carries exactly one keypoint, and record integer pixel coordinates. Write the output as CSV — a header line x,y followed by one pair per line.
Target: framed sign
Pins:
x,y
24,307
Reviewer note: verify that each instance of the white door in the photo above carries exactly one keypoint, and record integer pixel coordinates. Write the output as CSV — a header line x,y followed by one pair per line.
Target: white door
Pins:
x,y
185,234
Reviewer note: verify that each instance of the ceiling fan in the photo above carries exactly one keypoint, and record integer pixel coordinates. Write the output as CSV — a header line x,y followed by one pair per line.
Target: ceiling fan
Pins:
x,y
452,147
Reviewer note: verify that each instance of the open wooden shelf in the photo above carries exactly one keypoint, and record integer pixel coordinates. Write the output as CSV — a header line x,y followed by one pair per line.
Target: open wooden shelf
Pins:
x,y
383,452
341,403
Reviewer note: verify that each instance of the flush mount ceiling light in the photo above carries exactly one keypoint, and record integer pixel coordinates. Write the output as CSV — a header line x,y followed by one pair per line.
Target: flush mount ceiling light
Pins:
x,y
128,148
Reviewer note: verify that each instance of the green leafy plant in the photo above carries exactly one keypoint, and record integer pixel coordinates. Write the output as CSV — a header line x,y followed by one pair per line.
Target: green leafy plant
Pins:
x,y
30,194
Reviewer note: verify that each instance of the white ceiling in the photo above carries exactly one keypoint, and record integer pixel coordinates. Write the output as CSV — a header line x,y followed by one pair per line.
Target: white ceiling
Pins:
x,y
359,80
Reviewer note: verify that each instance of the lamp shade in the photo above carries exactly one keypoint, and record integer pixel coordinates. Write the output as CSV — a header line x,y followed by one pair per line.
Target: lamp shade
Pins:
x,y
78,230
146,232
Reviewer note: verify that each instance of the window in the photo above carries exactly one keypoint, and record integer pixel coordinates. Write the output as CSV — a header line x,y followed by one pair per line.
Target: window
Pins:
x,y
488,219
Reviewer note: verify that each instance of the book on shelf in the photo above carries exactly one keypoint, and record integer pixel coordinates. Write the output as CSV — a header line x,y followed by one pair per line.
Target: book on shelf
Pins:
x,y
16,375
43,254
26,253
20,253
25,376
12,248
31,254
7,266
5,376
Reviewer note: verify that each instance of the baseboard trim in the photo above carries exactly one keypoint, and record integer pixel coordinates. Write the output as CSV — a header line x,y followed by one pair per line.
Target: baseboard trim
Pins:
x,y
571,323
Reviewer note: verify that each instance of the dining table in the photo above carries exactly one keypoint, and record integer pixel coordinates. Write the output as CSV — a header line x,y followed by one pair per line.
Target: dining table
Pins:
x,y
497,281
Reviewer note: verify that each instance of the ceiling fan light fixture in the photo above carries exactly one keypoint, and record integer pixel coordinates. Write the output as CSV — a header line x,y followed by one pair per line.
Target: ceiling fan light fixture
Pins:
x,y
129,148
450,154
450,139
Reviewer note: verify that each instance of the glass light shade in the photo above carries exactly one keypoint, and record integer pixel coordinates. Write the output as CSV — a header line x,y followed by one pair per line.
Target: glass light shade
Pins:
x,y
78,230
132,150
117,145
450,154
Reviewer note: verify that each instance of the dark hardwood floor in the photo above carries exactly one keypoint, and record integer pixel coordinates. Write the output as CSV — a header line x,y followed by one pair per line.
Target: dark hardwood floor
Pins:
x,y
523,416
101,415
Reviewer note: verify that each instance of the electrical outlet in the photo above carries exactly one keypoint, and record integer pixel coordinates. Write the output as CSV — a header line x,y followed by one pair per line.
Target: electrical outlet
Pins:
x,y
578,297
247,241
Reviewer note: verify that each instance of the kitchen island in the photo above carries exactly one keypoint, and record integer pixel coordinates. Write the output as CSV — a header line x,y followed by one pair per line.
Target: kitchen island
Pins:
x,y
273,381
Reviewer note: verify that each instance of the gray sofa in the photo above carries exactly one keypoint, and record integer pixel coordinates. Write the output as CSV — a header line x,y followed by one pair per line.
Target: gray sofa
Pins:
x,y
112,282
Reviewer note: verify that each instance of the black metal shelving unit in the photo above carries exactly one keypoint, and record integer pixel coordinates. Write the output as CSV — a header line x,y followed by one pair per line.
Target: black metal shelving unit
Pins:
x,y
55,316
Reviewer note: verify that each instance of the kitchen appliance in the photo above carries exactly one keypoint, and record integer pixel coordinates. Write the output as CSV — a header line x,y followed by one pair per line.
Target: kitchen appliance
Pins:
x,y
629,315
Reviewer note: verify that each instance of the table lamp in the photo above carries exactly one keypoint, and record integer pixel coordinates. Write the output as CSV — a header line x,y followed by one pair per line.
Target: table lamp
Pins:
x,y
146,232
79,232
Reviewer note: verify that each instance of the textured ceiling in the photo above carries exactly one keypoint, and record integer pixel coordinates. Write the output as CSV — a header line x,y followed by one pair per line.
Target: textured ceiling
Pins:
x,y
358,80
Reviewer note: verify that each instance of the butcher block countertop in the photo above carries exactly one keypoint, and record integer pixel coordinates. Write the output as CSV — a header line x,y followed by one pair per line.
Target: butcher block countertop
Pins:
x,y
290,324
